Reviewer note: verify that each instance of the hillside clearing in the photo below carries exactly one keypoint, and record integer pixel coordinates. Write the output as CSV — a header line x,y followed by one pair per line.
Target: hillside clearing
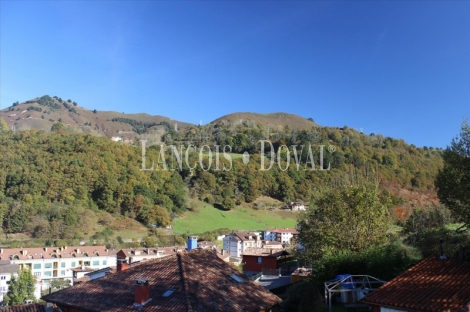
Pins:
x,y
207,218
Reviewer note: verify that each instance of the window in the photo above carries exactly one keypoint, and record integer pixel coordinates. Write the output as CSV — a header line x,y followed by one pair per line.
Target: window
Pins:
x,y
37,266
54,256
96,263
86,263
85,254
47,265
15,257
62,272
47,273
104,262
62,264
37,274
73,264
260,259
3,277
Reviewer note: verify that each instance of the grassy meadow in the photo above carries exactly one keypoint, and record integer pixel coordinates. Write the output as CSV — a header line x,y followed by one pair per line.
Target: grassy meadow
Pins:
x,y
207,218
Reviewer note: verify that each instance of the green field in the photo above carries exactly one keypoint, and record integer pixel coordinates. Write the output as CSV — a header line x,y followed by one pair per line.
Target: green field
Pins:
x,y
207,218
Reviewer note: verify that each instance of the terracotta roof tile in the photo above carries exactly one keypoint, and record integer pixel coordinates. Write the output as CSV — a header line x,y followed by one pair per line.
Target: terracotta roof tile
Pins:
x,y
33,307
263,252
54,252
200,279
431,285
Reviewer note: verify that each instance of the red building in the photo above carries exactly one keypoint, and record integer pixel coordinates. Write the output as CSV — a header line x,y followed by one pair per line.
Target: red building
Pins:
x,y
265,260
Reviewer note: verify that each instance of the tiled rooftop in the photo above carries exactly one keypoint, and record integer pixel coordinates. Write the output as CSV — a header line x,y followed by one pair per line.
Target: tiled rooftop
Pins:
x,y
33,307
155,252
54,252
431,285
285,230
263,252
244,236
200,279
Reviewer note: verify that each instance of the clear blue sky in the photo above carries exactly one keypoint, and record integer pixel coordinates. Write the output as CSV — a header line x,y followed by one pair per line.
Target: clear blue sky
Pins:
x,y
401,69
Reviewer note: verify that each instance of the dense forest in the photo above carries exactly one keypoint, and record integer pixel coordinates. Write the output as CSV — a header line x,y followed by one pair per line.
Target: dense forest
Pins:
x,y
50,181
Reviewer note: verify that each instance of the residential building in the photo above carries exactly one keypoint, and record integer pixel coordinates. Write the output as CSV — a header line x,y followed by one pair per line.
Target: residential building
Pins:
x,y
131,255
236,242
296,206
195,280
284,236
434,284
265,260
7,270
57,262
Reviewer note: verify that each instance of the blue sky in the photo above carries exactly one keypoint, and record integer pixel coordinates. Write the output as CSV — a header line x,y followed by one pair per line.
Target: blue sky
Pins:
x,y
398,68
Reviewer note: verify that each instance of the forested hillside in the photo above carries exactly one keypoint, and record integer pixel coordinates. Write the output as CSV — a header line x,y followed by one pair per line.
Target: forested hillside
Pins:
x,y
48,181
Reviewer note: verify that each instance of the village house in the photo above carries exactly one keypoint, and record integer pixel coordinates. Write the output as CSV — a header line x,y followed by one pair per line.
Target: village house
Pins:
x,y
195,280
57,262
7,271
283,236
434,284
131,255
296,206
267,260
236,242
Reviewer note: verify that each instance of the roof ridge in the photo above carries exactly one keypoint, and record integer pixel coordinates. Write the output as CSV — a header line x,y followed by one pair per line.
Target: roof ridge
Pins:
x,y
185,282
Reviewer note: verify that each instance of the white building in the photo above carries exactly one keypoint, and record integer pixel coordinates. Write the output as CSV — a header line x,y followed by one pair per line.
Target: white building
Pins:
x,y
57,262
283,236
236,242
9,271
296,206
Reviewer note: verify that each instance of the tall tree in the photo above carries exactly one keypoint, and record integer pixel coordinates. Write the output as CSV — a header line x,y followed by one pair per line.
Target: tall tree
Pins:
x,y
21,288
348,218
453,180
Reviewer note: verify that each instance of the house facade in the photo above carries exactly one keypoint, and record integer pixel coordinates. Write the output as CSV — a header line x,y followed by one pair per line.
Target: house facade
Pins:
x,y
283,236
7,271
265,260
235,243
57,262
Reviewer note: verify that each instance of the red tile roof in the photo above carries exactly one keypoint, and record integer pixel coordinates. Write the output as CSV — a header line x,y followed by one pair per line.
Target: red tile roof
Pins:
x,y
33,307
264,252
200,279
431,285
286,230
54,252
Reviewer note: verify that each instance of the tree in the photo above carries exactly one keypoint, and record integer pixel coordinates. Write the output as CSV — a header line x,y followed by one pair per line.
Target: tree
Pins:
x,y
21,288
3,126
159,215
59,283
58,127
453,180
345,219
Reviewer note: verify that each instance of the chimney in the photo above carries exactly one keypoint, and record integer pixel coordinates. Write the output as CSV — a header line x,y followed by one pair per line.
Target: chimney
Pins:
x,y
122,265
192,242
142,292
45,249
223,252
1,251
78,250
441,241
